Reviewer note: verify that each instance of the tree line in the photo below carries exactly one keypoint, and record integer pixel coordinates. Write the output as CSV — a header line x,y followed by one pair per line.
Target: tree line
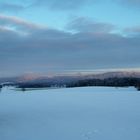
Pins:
x,y
110,82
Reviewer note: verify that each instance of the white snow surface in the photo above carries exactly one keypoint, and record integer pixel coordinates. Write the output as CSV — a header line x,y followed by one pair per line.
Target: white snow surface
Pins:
x,y
89,113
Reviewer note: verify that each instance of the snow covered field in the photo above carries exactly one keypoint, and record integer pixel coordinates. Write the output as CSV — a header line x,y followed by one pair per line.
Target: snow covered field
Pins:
x,y
90,113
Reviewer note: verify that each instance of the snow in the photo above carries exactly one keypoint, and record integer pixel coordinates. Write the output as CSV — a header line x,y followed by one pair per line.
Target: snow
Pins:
x,y
90,113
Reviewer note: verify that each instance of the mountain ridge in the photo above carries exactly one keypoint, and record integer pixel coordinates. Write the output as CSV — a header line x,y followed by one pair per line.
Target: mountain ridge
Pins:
x,y
70,77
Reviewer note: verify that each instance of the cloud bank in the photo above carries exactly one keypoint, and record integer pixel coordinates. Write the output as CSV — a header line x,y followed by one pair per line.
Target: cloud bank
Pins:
x,y
27,47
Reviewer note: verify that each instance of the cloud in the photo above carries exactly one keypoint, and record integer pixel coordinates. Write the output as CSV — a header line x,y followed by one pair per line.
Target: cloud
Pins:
x,y
14,24
50,50
133,30
83,24
17,24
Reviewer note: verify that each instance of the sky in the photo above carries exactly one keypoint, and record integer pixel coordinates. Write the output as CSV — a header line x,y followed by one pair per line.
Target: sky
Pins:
x,y
50,36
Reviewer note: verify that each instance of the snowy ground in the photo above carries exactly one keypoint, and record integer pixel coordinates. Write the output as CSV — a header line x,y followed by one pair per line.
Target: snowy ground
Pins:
x,y
95,113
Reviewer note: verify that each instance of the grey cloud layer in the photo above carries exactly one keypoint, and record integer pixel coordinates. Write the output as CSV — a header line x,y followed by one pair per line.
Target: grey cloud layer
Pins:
x,y
133,30
42,49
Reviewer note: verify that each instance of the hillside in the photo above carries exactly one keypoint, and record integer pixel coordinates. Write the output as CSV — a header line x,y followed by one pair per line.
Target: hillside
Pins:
x,y
118,78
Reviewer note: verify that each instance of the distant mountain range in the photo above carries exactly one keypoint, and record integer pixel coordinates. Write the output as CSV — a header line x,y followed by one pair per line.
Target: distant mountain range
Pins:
x,y
67,78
